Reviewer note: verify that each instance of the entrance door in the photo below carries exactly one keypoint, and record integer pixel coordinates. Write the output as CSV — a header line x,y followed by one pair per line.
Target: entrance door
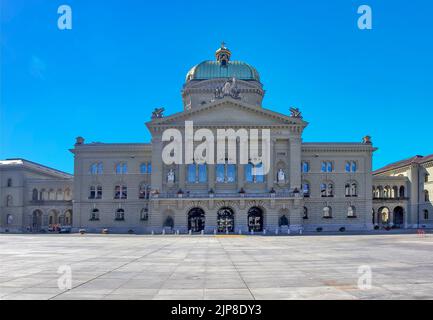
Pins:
x,y
196,220
398,217
255,219
225,220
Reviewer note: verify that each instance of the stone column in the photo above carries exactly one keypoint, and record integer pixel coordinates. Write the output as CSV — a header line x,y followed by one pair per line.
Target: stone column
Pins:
x,y
181,180
295,162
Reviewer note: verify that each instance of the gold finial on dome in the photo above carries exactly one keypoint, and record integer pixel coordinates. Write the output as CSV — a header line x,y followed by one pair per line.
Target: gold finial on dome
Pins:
x,y
223,54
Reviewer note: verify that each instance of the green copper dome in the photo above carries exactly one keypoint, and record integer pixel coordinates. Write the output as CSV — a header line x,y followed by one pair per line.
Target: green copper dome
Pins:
x,y
222,67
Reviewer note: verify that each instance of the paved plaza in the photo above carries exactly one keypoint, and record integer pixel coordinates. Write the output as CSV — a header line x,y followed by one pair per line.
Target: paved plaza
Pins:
x,y
216,267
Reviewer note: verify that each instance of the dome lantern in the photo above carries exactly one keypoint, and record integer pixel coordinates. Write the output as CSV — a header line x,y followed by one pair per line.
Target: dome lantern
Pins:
x,y
223,54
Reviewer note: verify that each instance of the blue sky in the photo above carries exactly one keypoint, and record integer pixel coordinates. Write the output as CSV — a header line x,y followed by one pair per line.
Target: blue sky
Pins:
x,y
122,58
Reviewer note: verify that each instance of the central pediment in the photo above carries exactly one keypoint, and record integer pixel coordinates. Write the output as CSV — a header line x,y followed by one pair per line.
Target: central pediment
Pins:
x,y
228,112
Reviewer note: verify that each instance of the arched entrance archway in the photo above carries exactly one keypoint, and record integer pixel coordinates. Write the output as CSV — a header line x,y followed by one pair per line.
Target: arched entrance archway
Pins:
x,y
225,220
196,220
398,217
255,219
283,221
36,220
383,216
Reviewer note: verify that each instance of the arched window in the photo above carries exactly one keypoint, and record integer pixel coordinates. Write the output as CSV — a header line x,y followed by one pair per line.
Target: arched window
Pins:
x,y
426,214
387,192
283,221
121,168
143,168
144,214
351,212
120,192
120,215
305,213
94,215
168,222
149,167
401,192
9,201
426,196
35,195
306,189
426,177
395,192
43,195
144,191
327,212
9,183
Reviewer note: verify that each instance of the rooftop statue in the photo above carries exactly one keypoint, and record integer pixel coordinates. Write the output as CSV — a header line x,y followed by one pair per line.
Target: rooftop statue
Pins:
x,y
295,113
158,113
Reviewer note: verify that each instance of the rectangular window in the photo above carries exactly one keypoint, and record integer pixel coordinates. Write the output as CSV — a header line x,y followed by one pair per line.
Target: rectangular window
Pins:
x,y
220,173
143,168
202,173
259,173
92,193
149,168
231,173
305,166
329,166
99,192
191,173
249,172
354,168
323,169
348,166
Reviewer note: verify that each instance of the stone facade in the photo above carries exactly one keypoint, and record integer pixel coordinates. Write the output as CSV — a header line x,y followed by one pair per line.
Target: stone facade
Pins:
x,y
33,197
402,193
129,188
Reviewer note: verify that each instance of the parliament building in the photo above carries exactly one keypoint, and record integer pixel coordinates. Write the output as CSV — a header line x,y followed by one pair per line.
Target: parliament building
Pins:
x,y
309,186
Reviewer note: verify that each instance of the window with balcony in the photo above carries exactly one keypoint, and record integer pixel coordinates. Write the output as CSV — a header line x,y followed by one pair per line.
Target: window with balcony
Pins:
x,y
225,173
254,173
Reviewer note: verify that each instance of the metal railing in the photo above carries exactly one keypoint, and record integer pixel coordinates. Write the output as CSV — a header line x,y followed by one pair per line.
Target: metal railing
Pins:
x,y
227,195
